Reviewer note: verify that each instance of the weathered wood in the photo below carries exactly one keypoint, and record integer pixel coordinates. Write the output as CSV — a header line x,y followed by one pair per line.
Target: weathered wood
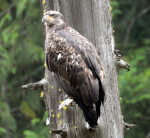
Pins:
x,y
37,85
92,18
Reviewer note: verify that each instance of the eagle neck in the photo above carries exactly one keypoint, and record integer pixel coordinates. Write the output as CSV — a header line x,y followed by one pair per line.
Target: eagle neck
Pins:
x,y
58,27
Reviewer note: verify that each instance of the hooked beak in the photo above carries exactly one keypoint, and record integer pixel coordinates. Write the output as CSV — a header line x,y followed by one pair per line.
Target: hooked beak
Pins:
x,y
47,18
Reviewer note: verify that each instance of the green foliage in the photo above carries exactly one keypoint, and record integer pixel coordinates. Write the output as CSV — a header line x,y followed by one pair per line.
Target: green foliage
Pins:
x,y
2,131
134,85
37,128
7,120
21,6
115,8
27,110
21,61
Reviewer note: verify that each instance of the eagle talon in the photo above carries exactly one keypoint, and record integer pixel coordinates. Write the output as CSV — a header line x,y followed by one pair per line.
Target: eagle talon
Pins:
x,y
66,102
88,127
93,128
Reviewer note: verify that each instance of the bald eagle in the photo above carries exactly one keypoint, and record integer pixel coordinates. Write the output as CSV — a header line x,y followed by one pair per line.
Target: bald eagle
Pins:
x,y
76,64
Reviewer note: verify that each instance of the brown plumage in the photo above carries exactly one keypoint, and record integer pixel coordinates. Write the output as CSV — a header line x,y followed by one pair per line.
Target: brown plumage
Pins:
x,y
76,64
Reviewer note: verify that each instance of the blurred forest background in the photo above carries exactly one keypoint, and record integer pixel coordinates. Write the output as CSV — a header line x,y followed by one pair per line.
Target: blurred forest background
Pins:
x,y
22,113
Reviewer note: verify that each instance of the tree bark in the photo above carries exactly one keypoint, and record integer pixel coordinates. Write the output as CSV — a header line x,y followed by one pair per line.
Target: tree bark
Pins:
x,y
92,18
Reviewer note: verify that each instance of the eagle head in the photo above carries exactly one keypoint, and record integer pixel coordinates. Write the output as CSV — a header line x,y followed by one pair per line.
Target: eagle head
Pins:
x,y
54,18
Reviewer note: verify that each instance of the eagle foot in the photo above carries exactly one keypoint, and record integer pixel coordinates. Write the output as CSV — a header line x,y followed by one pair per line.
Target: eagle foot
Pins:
x,y
66,102
91,128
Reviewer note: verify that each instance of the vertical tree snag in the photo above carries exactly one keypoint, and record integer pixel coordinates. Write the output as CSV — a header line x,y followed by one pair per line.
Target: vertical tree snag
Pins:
x,y
92,18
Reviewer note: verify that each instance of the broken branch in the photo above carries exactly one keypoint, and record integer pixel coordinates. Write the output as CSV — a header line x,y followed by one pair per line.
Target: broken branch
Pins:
x,y
128,126
36,85
59,131
122,64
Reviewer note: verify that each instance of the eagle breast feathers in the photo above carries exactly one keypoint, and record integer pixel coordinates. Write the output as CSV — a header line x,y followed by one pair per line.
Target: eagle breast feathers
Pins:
x,y
74,59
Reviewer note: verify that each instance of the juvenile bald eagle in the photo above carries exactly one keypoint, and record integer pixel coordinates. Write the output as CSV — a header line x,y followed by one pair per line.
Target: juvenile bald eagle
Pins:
x,y
76,64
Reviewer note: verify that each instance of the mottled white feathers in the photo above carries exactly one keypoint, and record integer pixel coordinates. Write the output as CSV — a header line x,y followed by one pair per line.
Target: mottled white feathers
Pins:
x,y
59,56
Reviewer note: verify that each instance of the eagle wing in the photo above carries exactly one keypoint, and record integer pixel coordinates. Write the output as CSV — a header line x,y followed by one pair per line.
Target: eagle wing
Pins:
x,y
75,61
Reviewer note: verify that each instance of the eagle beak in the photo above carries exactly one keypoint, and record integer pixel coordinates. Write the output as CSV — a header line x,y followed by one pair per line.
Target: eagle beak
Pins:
x,y
47,18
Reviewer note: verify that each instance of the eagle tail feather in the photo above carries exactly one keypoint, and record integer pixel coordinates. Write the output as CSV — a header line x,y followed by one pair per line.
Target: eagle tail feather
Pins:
x,y
98,105
89,114
101,99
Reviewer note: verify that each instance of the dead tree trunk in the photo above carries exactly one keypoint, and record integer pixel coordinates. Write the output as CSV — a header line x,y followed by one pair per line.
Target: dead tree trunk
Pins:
x,y
92,18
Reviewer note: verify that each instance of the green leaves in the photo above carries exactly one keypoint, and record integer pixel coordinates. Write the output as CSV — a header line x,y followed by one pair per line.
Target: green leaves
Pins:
x,y
27,110
21,60
6,18
7,120
134,87
132,38
2,131
115,8
30,134
21,6
39,130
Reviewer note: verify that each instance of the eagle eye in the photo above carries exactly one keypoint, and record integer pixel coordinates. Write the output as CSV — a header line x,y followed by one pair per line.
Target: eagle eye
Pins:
x,y
52,15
